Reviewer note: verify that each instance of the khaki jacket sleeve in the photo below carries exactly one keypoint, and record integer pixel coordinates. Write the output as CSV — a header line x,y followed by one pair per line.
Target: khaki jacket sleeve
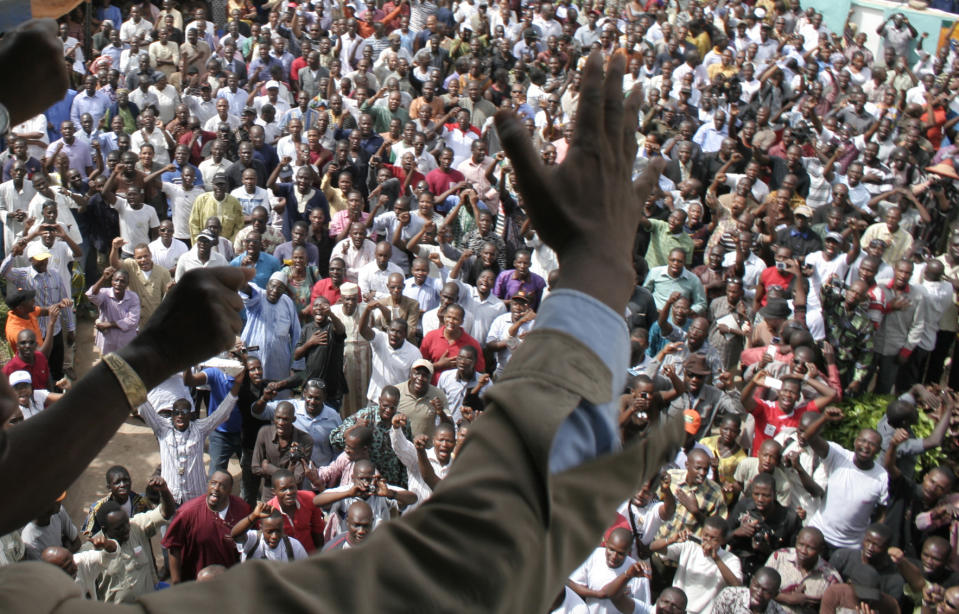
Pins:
x,y
500,534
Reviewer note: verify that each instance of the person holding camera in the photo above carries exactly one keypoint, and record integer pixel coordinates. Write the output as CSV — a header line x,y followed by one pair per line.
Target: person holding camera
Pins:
x,y
764,525
281,446
367,486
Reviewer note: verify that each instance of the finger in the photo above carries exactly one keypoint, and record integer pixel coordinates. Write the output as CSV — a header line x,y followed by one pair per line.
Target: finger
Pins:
x,y
526,162
648,180
613,102
590,102
633,103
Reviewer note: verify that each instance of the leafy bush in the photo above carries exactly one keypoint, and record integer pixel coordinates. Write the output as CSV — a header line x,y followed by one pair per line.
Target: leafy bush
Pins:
x,y
866,411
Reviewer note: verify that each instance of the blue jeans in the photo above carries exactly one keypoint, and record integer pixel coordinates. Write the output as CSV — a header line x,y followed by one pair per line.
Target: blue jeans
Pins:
x,y
223,447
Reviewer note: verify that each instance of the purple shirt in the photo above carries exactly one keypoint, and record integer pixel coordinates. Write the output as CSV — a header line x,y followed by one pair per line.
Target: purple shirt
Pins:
x,y
79,154
125,312
507,285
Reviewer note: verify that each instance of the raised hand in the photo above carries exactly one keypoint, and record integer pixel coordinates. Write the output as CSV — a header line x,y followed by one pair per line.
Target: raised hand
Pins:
x,y
592,242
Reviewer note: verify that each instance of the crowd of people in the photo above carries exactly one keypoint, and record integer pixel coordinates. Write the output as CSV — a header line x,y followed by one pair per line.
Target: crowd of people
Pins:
x,y
800,248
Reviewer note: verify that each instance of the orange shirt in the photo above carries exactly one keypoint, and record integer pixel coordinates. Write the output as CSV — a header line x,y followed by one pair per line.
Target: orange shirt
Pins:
x,y
15,324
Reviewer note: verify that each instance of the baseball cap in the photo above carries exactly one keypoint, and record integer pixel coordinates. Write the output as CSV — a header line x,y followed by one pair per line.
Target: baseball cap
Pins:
x,y
803,210
17,296
20,377
521,295
834,236
38,251
272,83
422,362
206,234
692,421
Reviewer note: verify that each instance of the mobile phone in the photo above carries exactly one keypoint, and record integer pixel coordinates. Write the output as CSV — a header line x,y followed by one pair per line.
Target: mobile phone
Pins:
x,y
781,266
772,382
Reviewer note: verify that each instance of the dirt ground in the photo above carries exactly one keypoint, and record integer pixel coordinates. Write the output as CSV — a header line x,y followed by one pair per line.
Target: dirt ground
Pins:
x,y
133,446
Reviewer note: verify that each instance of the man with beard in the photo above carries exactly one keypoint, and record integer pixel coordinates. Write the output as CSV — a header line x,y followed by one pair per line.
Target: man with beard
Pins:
x,y
148,282
120,490
301,196
181,442
132,573
272,324
379,417
199,534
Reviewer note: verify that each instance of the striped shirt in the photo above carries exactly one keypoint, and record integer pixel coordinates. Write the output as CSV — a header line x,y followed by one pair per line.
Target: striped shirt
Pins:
x,y
181,452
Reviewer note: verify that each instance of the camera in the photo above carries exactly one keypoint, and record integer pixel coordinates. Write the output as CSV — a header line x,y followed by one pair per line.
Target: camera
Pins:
x,y
296,454
781,266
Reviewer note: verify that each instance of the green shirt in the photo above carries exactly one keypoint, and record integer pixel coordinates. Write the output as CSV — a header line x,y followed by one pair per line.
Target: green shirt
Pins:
x,y
661,242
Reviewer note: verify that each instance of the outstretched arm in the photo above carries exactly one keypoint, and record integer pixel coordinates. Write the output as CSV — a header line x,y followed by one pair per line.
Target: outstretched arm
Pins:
x,y
533,456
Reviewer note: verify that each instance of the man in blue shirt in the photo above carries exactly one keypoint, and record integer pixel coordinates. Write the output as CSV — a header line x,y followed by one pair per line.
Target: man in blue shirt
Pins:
x,y
264,263
313,416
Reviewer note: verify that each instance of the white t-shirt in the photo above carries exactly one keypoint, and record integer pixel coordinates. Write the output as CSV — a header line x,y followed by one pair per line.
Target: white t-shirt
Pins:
x,y
255,548
646,520
259,198
37,401
698,576
181,201
390,367
851,496
167,257
595,574
135,224
499,331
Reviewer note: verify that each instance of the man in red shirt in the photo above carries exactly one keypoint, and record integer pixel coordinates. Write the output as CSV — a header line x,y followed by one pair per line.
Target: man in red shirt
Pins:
x,y
784,274
329,287
301,519
30,360
773,417
199,534
442,346
444,181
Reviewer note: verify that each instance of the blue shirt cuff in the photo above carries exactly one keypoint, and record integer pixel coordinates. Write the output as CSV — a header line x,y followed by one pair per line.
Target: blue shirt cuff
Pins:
x,y
590,430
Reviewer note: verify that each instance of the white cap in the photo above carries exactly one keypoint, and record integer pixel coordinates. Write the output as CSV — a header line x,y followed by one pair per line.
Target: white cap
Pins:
x,y
272,83
37,251
279,276
20,377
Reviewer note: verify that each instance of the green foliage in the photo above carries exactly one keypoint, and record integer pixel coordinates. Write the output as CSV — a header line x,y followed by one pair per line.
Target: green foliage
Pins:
x,y
866,411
